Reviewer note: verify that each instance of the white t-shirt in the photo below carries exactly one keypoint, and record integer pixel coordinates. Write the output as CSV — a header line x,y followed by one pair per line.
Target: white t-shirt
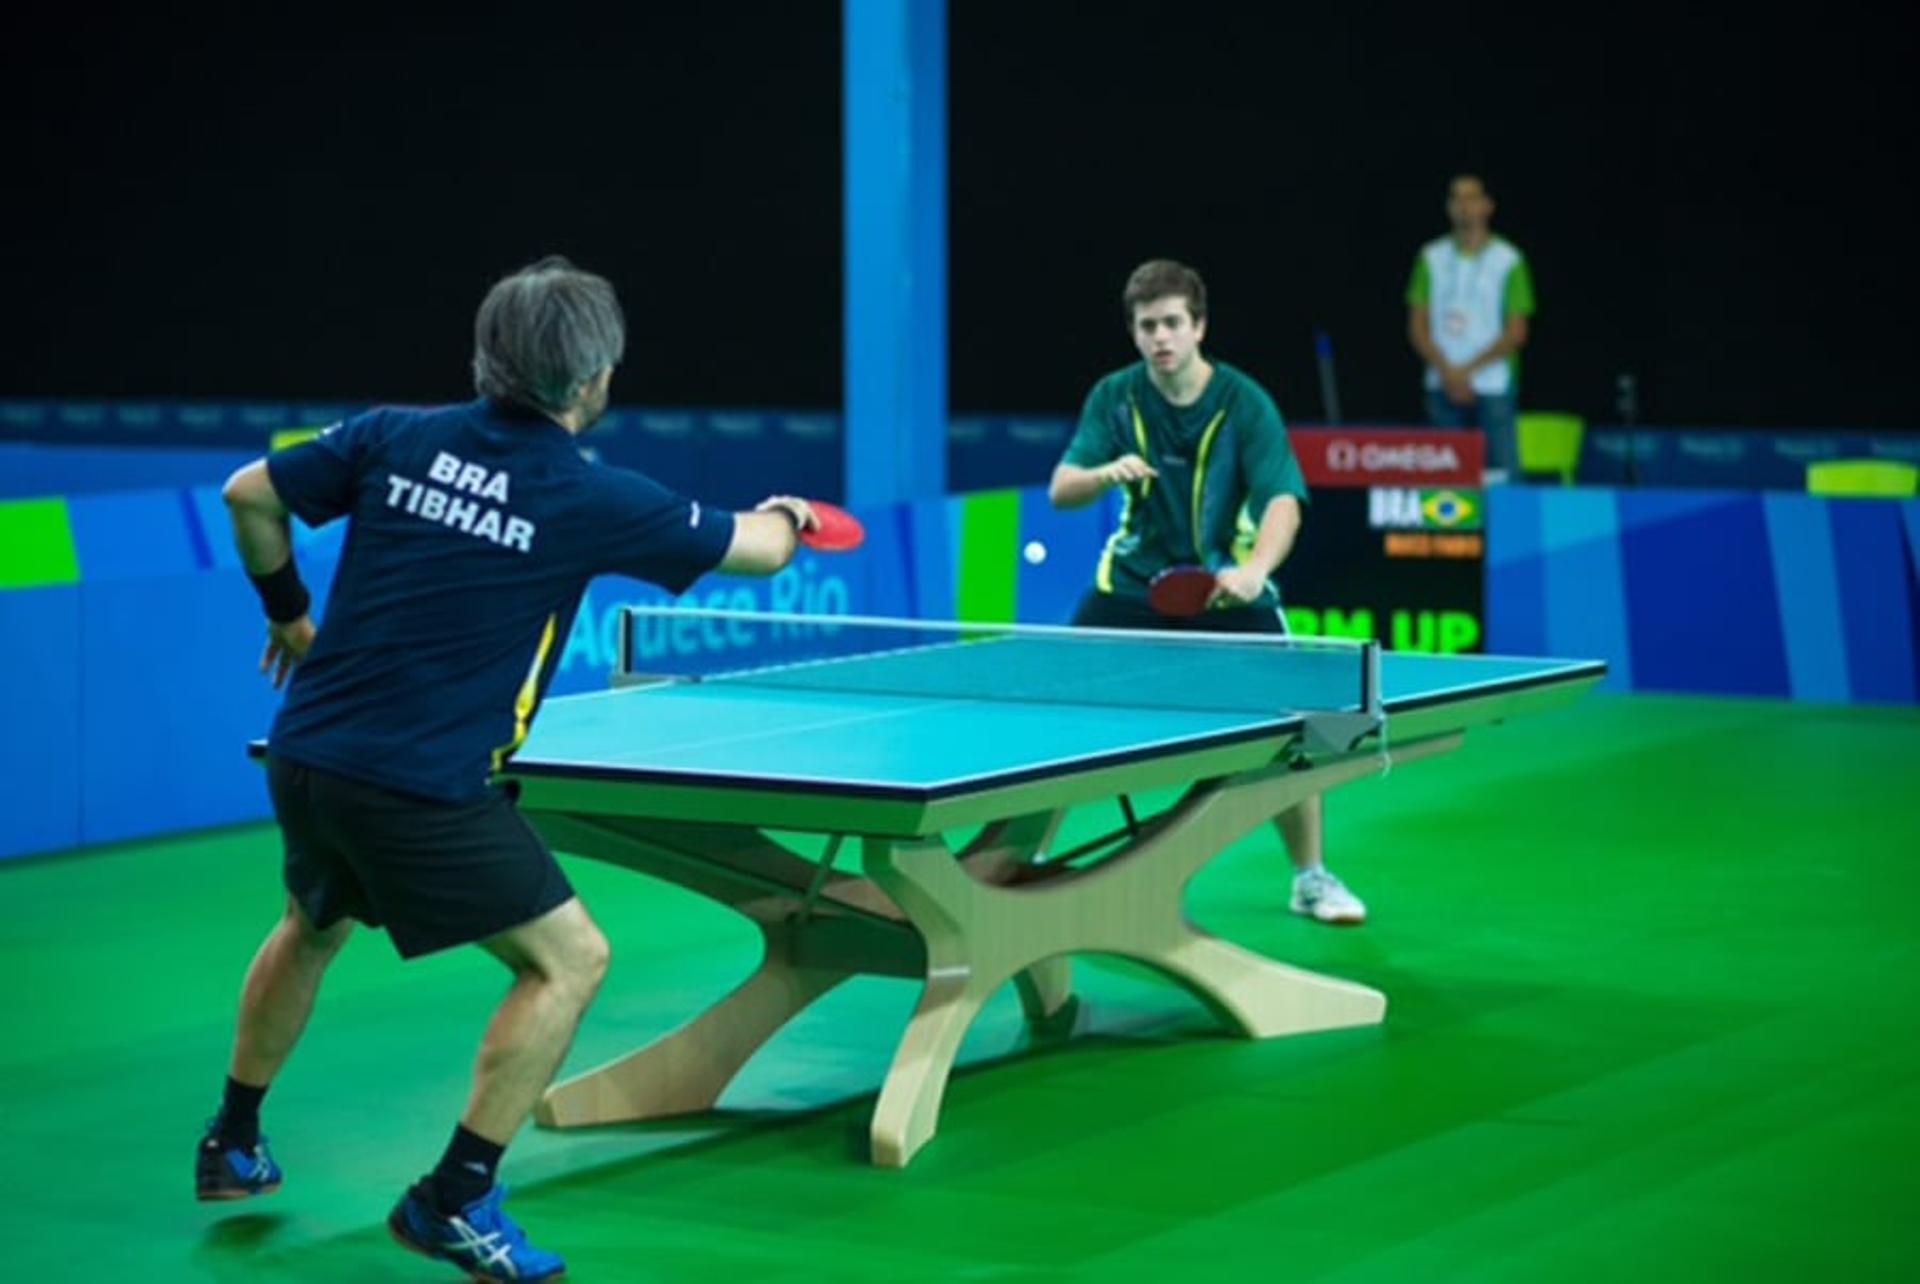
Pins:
x,y
1468,298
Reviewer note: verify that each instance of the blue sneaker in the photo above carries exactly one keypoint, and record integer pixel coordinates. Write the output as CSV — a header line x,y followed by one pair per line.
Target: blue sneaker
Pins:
x,y
480,1239
228,1172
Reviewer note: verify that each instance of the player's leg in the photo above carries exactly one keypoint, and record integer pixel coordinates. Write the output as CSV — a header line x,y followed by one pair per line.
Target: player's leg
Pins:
x,y
1303,828
232,1160
479,873
455,1214
277,996
1317,891
558,962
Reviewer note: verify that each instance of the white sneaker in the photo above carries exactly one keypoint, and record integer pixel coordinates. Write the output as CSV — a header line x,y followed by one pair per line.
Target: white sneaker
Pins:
x,y
1320,895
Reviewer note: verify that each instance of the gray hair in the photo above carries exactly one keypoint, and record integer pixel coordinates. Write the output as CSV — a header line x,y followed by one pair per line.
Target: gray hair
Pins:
x,y
544,333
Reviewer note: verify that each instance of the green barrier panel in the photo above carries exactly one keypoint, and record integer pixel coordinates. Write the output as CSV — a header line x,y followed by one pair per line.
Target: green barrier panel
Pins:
x,y
987,589
36,544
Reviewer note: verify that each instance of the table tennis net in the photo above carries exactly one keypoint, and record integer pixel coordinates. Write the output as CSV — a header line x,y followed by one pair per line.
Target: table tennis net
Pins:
x,y
1228,673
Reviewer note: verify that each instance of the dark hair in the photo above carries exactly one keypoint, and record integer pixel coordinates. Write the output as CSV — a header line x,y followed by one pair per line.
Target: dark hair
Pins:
x,y
545,332
1159,278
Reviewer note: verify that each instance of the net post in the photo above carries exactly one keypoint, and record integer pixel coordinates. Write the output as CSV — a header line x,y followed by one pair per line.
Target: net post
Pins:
x,y
622,674
1340,731
626,648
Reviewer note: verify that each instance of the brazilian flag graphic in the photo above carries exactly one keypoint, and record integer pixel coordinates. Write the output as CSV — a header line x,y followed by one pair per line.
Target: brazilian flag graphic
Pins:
x,y
1451,510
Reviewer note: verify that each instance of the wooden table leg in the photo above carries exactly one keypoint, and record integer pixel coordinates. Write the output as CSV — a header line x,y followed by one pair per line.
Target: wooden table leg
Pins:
x,y
687,1070
980,935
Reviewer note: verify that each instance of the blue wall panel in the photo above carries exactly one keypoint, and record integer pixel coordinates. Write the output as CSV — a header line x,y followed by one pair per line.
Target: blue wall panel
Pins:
x,y
132,694
1516,572
1910,522
133,534
314,545
172,696
880,577
215,526
29,469
1876,599
40,690
1703,612
1049,589
1801,542
932,526
1585,595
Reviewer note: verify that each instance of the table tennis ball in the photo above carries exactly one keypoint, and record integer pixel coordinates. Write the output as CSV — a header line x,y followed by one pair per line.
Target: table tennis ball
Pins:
x,y
1035,552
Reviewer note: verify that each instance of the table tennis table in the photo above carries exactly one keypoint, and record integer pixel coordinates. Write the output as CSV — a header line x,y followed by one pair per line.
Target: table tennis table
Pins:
x,y
946,756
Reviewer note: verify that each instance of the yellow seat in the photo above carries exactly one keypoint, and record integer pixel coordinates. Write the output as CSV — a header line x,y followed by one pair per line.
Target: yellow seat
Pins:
x,y
1550,443
285,437
1887,478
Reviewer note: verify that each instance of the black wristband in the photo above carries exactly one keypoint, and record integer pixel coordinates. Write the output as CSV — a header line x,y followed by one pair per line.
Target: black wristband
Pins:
x,y
282,594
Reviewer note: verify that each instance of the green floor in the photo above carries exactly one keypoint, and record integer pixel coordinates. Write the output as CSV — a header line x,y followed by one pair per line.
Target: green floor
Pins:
x,y
1654,970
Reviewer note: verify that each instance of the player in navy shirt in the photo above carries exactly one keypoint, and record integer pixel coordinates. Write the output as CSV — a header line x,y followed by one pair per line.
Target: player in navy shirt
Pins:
x,y
472,533
475,531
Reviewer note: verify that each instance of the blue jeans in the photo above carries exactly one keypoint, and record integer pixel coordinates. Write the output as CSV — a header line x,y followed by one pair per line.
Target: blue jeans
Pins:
x,y
1493,415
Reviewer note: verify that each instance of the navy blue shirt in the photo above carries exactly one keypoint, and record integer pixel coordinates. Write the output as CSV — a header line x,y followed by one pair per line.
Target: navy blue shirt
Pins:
x,y
473,531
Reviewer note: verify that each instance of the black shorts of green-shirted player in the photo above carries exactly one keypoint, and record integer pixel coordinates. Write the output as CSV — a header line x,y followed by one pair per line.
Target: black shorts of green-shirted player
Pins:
x,y
437,643
1197,447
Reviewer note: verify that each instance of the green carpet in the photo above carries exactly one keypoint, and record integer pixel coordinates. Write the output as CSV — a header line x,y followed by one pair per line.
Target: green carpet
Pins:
x,y
1652,973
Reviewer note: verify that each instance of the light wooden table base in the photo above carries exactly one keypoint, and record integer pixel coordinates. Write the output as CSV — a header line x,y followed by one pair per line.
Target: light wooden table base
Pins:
x,y
964,924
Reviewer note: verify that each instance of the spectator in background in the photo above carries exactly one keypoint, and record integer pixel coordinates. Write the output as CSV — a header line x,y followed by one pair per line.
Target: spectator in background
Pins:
x,y
1468,306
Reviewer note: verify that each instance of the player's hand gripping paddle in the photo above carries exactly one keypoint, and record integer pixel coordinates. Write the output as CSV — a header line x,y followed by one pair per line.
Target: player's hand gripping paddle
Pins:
x,y
837,531
1182,592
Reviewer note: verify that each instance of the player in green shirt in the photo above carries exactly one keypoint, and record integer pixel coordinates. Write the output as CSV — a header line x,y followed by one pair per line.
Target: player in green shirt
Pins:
x,y
1195,444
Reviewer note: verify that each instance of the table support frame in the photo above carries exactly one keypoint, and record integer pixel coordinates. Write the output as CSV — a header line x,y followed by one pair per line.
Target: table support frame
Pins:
x,y
963,923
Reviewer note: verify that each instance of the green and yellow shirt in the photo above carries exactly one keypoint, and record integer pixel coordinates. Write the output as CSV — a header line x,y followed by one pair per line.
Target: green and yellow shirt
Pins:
x,y
1224,456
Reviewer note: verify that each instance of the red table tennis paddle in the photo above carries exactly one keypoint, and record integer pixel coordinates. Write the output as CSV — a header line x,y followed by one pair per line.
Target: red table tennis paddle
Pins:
x,y
838,532
1182,592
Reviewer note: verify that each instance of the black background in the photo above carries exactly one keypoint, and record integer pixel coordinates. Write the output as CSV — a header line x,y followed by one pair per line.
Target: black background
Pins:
x,y
291,203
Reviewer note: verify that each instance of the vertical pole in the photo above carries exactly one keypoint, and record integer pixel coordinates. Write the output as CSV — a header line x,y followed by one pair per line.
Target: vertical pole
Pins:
x,y
895,227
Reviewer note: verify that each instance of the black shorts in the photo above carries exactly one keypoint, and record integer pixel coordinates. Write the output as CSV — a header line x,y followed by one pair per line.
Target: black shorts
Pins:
x,y
434,874
1099,610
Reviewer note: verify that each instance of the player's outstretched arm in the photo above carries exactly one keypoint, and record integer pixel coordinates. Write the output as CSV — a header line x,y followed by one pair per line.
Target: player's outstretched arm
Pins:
x,y
765,540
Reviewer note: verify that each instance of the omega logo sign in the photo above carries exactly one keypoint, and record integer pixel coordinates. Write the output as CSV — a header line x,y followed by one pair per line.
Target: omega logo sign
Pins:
x,y
1345,456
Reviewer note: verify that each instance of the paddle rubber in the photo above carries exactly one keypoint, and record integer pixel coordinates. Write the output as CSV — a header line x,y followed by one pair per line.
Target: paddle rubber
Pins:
x,y
838,532
1182,592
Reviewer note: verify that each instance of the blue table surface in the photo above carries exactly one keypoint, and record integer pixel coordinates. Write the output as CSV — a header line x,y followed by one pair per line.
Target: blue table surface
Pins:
x,y
944,715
